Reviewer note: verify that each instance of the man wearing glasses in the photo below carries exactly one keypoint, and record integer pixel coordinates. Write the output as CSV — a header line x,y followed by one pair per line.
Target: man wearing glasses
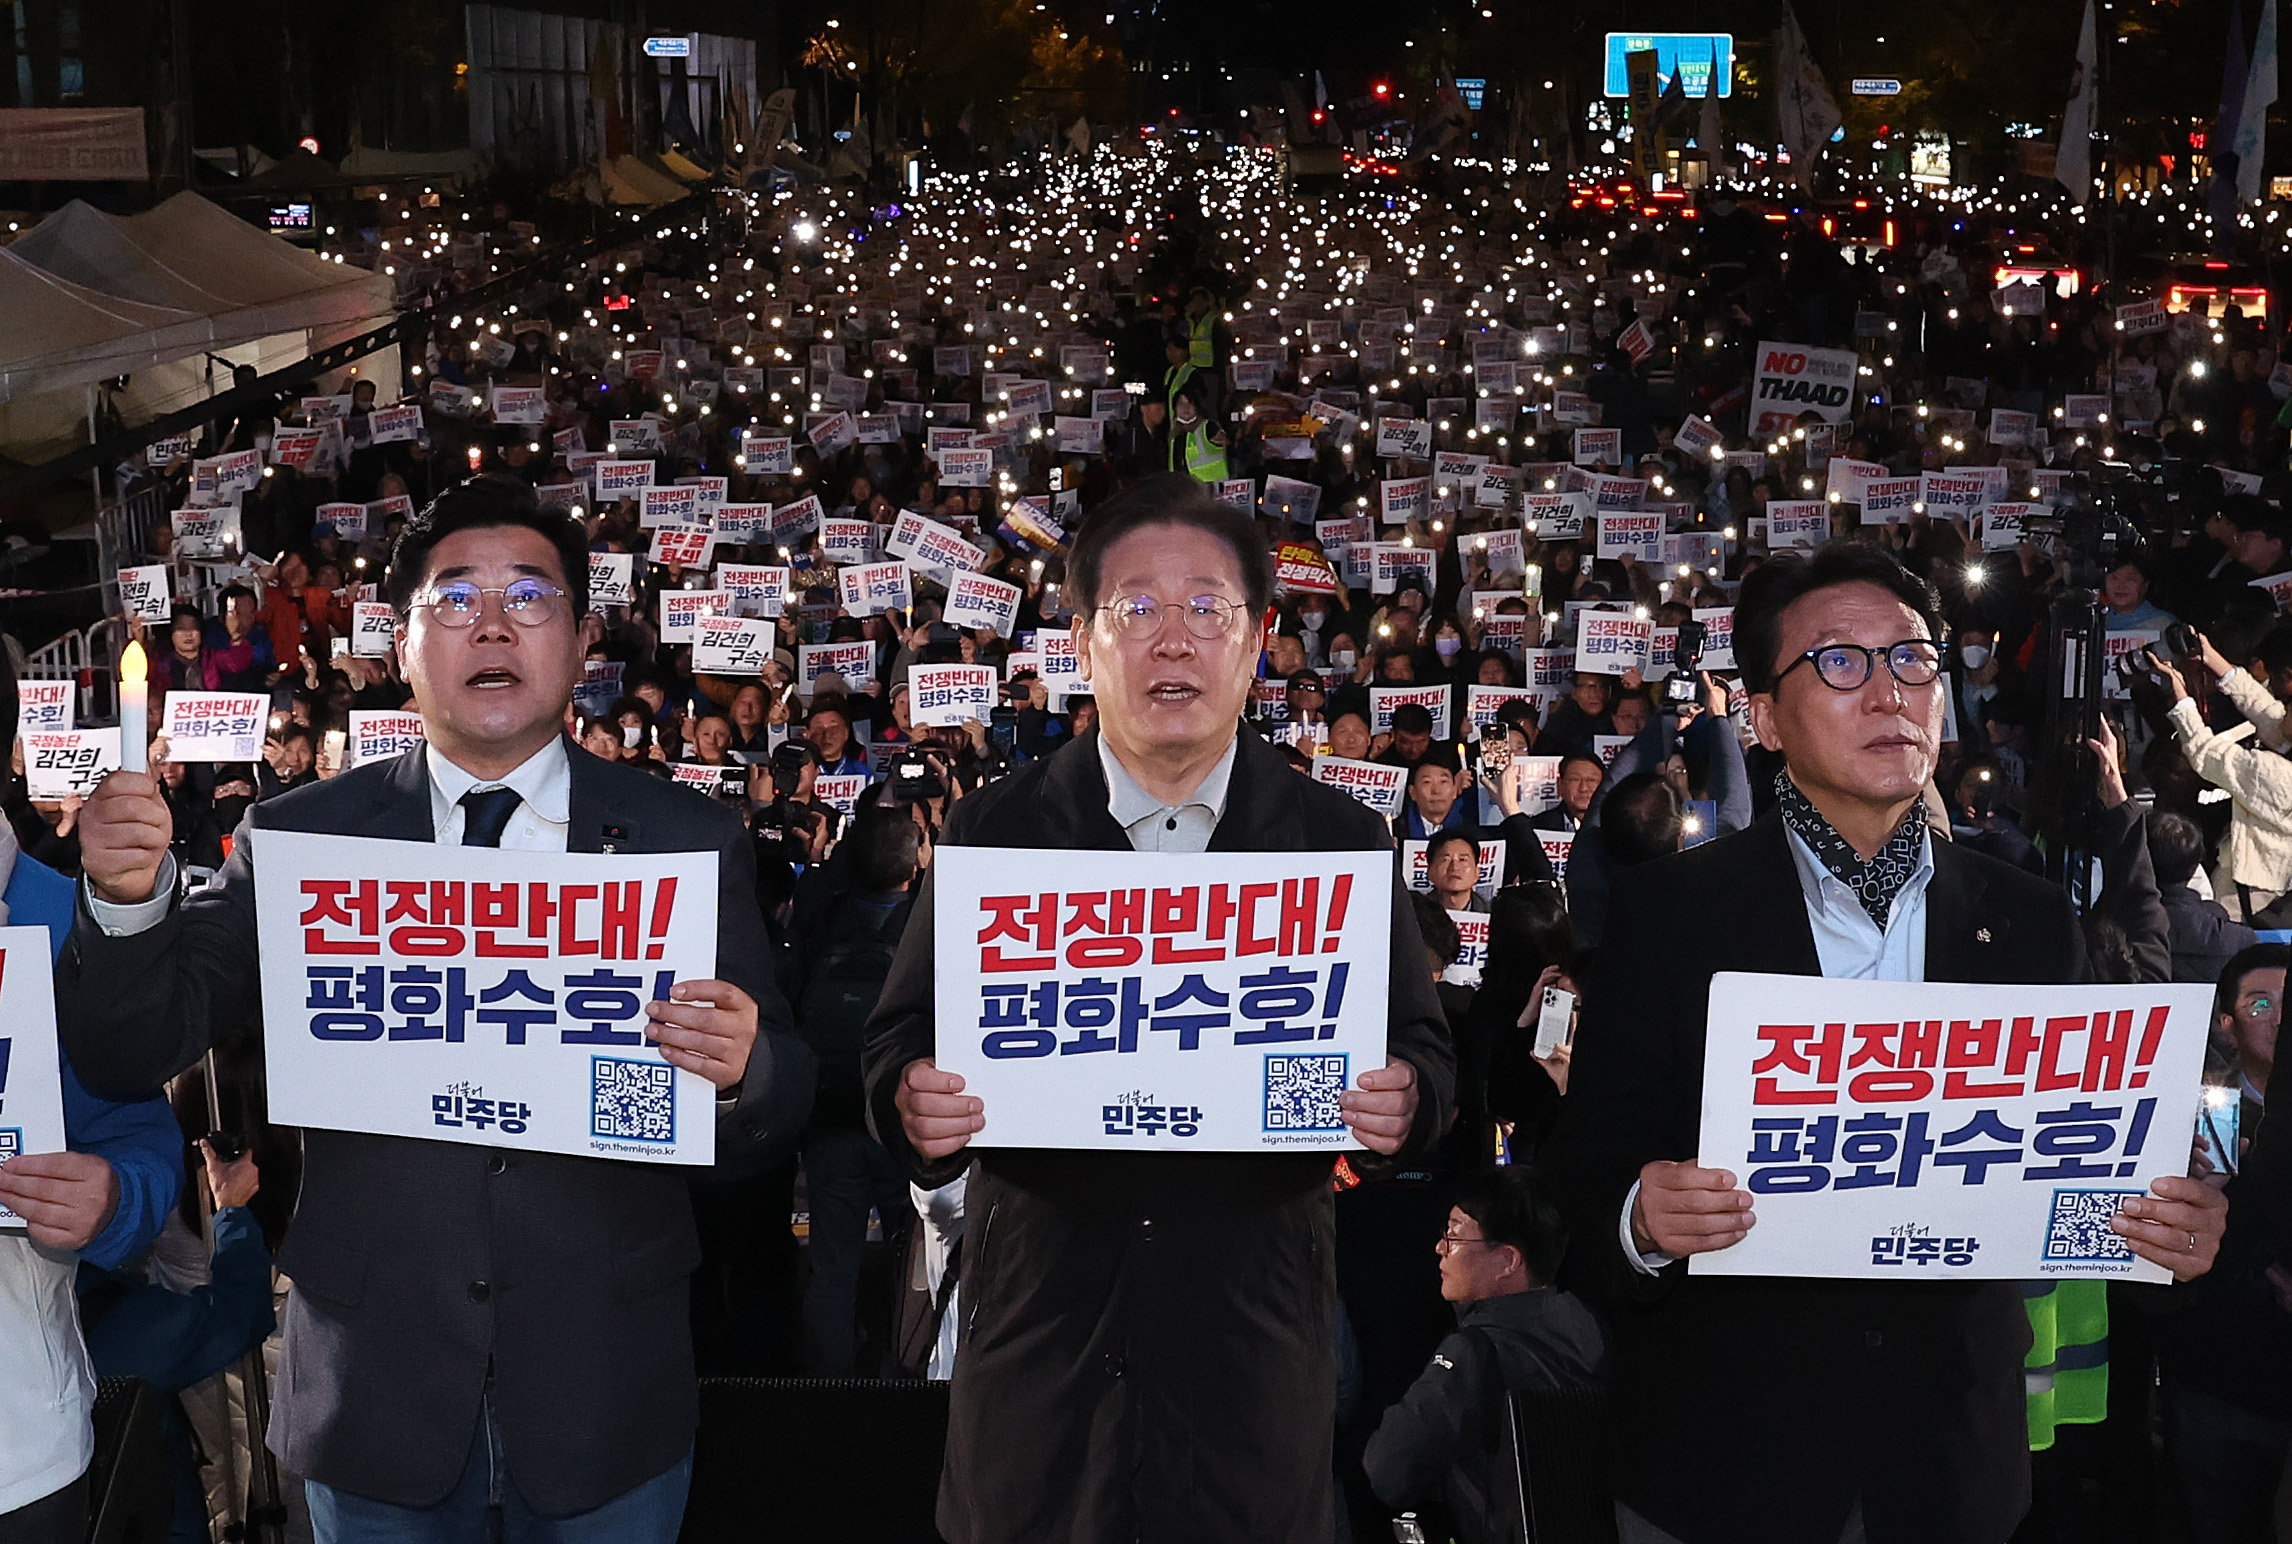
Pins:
x,y
472,1330
1148,1347
1808,1411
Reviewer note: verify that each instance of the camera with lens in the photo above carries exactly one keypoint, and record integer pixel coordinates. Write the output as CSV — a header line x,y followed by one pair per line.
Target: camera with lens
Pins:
x,y
913,778
1681,690
788,763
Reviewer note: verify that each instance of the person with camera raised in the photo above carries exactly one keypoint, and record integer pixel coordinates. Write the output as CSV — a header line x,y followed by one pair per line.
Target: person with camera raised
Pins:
x,y
2256,856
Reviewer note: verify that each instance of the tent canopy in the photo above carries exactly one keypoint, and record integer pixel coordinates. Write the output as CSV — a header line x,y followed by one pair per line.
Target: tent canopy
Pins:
x,y
152,287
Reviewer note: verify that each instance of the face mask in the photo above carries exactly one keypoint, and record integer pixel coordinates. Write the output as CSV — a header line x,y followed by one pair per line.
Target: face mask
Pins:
x,y
632,735
1343,659
1975,656
1313,620
1447,647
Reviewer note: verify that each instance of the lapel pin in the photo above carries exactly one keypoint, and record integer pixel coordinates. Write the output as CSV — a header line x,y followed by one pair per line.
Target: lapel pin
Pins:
x,y
1983,934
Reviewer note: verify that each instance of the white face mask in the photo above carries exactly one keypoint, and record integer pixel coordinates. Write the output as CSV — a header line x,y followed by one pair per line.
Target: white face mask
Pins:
x,y
632,735
1313,620
1975,655
1343,659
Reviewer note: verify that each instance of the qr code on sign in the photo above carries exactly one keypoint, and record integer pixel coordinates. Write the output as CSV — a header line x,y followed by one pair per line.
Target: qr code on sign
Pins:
x,y
632,1101
2079,1226
1301,1092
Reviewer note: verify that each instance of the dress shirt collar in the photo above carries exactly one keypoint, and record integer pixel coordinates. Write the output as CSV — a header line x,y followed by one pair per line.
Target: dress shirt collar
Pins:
x,y
1128,803
543,780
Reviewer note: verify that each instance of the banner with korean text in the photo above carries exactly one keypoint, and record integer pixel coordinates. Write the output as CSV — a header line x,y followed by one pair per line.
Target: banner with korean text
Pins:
x,y
1933,1130
1213,1002
414,990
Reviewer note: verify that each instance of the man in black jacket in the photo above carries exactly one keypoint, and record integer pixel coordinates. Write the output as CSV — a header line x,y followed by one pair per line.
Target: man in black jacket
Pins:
x,y
2204,936
469,1325
1149,1341
1902,1401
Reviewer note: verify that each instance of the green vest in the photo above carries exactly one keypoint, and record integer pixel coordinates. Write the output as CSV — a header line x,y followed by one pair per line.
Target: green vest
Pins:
x,y
2066,1374
1174,381
1204,459
1201,340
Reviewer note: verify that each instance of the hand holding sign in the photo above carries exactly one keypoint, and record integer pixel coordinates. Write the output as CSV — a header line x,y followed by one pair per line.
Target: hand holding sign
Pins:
x,y
125,828
2178,1225
938,1117
1684,1210
708,1027
65,1199
1382,1106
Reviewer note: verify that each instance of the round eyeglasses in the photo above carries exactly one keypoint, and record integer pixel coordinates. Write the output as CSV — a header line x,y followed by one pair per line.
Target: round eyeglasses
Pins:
x,y
527,602
1844,667
1207,617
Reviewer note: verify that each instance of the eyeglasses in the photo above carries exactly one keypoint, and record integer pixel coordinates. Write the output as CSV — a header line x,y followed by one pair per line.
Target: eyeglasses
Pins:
x,y
2258,1006
1844,667
527,602
1207,617
1449,1241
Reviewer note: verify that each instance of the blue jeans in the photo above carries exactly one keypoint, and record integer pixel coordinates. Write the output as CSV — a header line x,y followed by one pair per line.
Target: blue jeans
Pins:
x,y
650,1514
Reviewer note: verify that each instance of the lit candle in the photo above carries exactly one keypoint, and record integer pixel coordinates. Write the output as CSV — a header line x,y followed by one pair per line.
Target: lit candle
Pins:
x,y
134,711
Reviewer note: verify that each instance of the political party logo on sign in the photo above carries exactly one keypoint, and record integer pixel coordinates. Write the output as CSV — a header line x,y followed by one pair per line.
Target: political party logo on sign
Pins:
x,y
31,1078
1793,379
1933,1130
1233,997
413,990
373,629
381,736
681,611
216,726
944,695
1375,784
143,592
731,645
44,705
873,587
612,579
757,589
68,763
1612,642
855,662
1433,699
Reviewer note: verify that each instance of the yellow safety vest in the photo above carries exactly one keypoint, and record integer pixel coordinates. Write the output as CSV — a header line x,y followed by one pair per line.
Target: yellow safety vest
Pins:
x,y
1201,340
2066,1375
1204,459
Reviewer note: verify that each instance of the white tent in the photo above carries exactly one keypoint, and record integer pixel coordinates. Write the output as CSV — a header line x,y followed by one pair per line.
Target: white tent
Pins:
x,y
150,296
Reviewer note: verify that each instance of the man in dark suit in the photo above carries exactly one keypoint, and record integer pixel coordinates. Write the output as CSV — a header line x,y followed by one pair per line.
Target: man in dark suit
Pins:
x,y
1789,1411
1149,1342
469,1325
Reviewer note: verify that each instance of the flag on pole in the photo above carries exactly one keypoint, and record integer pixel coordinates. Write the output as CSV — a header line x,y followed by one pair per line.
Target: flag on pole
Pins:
x,y
1805,111
2251,144
2073,162
2220,196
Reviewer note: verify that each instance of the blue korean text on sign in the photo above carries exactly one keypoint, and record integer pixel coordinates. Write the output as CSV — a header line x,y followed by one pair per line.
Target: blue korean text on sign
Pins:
x,y
669,48
1697,57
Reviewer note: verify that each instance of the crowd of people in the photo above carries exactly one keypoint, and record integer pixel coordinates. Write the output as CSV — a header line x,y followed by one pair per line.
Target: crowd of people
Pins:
x,y
841,419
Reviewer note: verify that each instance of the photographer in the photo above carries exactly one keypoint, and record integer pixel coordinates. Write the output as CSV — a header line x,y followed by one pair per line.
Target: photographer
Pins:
x,y
2256,858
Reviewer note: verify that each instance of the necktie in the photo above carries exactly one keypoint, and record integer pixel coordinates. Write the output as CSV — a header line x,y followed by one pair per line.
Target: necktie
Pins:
x,y
485,815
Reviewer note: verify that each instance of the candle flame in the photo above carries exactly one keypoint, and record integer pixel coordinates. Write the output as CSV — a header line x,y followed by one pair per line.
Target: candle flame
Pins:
x,y
133,668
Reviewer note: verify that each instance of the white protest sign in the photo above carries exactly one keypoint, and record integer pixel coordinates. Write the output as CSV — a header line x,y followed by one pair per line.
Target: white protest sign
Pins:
x,y
348,520
670,507
62,763
681,611
766,455
612,579
855,662
1598,447
143,592
1234,996
942,695
381,736
2009,427
966,468
1374,783
1718,636
976,600
412,990
757,589
1631,533
1935,1130
1793,379
2005,525
216,726
1797,525
1393,561
1483,703
1291,498
1433,699
1844,480
1886,500
1612,642
873,587
1402,499
373,629
1472,949
731,645
1416,870
847,541
31,1076
681,546
621,479
1697,437
44,705
1556,516
2278,587
932,547
520,405
1408,437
